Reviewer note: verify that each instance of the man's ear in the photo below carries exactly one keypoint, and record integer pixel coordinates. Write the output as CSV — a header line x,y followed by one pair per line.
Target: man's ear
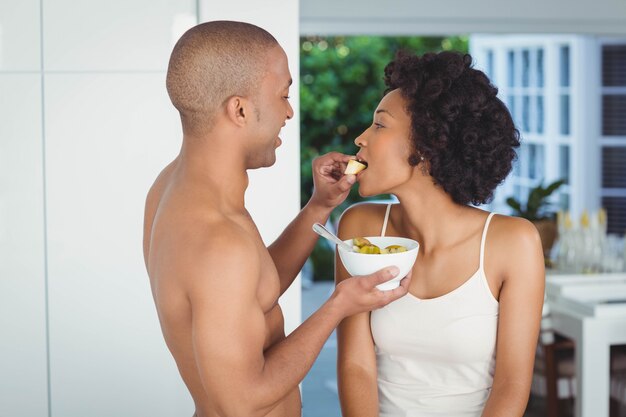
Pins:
x,y
238,110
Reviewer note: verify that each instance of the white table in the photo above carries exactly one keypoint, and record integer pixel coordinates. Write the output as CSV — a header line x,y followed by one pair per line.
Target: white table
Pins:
x,y
591,309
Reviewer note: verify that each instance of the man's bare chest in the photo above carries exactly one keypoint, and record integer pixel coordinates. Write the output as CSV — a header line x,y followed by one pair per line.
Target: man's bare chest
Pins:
x,y
268,288
268,292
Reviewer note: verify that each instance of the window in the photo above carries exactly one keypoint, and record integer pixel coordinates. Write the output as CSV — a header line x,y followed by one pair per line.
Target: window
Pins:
x,y
613,139
564,84
524,92
570,108
564,163
525,99
490,65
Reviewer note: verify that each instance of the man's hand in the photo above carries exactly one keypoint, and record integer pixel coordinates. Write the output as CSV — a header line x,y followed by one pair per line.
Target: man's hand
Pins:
x,y
359,294
295,244
331,186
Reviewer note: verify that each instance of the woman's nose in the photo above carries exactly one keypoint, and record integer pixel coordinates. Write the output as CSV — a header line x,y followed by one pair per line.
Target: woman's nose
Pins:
x,y
360,140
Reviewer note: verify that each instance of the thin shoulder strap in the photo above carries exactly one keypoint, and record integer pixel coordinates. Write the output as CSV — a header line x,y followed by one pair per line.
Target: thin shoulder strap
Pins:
x,y
382,232
482,241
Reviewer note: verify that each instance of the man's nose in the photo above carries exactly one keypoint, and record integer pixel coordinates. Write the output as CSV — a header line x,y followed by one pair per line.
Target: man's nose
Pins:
x,y
289,111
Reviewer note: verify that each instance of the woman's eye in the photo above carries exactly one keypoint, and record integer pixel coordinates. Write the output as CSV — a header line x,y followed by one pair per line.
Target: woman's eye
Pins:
x,y
378,125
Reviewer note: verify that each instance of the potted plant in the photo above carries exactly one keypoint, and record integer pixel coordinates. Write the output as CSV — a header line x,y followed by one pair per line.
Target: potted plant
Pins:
x,y
538,209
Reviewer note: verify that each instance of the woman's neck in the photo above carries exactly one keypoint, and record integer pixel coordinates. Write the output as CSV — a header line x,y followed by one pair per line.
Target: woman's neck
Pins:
x,y
432,218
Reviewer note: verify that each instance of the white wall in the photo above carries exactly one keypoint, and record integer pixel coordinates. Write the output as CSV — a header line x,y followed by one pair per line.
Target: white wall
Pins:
x,y
412,17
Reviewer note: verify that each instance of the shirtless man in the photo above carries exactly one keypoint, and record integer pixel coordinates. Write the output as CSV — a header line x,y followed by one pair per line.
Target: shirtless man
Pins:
x,y
215,284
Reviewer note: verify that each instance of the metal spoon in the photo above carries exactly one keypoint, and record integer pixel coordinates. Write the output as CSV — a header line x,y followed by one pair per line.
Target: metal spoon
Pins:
x,y
325,233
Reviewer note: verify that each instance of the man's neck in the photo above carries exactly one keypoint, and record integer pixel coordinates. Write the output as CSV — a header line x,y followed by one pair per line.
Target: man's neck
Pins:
x,y
219,169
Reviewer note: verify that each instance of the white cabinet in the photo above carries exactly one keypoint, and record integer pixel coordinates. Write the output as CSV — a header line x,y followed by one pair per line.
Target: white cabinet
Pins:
x,y
107,137
20,35
23,374
83,134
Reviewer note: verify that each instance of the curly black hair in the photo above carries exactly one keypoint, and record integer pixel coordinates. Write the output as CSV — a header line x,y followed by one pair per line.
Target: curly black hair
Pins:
x,y
458,125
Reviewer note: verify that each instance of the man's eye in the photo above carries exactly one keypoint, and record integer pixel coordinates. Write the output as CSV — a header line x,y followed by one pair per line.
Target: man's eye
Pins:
x,y
378,125
287,97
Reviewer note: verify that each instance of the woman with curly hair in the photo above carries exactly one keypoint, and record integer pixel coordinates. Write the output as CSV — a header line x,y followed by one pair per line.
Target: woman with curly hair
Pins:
x,y
462,341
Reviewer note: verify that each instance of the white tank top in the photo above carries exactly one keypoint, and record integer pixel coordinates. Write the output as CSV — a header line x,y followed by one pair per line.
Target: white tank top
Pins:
x,y
436,357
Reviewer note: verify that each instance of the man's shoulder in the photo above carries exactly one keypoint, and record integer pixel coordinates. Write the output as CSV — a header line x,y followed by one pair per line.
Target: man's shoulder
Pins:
x,y
161,182
219,235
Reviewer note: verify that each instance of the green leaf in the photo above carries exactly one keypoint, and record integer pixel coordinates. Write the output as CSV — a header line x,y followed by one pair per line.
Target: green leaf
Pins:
x,y
554,186
535,199
538,201
514,204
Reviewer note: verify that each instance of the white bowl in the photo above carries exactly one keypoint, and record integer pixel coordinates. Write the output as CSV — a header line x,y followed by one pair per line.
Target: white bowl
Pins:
x,y
365,264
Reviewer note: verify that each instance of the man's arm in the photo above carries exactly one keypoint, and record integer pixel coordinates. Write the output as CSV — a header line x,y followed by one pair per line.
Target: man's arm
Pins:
x,y
241,377
521,300
295,244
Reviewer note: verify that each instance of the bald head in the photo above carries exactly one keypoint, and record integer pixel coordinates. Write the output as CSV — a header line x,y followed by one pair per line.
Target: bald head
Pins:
x,y
212,62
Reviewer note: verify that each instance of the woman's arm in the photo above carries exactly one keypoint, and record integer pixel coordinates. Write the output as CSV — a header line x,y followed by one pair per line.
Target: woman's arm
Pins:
x,y
356,360
517,255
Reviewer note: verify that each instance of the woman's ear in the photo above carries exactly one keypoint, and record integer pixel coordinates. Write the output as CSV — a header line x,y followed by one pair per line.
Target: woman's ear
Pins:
x,y
237,110
424,166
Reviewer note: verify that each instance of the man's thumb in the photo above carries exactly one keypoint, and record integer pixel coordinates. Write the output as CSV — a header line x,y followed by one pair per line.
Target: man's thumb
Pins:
x,y
346,182
384,274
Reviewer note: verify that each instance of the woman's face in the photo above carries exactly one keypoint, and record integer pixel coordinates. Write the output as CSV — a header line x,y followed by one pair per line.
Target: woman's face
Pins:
x,y
385,147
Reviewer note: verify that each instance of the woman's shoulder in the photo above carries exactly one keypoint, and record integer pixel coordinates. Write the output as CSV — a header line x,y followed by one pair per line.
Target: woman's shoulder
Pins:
x,y
362,219
514,243
513,231
364,209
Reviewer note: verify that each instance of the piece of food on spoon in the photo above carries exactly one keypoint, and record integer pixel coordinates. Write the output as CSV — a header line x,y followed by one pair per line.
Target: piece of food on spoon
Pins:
x,y
354,167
